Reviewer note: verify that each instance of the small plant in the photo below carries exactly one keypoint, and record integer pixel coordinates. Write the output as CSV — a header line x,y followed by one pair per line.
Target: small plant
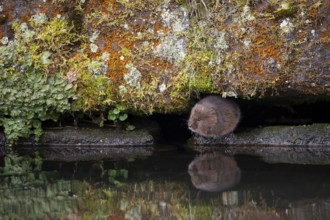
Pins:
x,y
31,83
36,99
117,114
114,176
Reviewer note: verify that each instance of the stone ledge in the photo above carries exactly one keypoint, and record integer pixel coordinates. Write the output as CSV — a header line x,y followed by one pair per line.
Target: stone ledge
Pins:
x,y
91,137
311,135
70,144
308,144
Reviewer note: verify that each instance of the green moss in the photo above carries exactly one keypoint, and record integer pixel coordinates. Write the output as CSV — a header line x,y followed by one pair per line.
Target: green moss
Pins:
x,y
235,52
33,89
135,5
54,37
68,1
285,9
206,48
94,89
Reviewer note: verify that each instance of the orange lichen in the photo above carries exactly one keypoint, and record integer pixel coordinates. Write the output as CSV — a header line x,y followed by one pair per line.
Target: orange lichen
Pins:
x,y
113,43
25,17
43,7
124,44
8,12
159,27
325,31
264,46
117,62
314,12
6,16
158,66
101,6
51,10
325,35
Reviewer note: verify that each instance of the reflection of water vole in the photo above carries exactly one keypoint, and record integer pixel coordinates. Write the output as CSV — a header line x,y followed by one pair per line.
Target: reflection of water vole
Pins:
x,y
214,117
214,172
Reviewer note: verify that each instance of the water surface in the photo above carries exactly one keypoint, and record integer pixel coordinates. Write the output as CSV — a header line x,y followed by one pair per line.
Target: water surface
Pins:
x,y
160,187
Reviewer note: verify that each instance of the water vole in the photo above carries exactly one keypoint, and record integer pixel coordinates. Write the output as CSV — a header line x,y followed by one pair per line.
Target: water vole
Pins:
x,y
214,117
214,172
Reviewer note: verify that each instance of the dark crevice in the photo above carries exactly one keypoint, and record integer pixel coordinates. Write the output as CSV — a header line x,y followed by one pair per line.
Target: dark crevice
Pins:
x,y
173,128
255,113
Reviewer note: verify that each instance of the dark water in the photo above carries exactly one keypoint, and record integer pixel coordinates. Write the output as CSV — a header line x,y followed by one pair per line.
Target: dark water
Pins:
x,y
160,187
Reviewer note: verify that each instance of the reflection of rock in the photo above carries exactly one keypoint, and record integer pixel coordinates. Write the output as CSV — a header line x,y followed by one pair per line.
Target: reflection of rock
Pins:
x,y
303,209
214,172
309,209
247,211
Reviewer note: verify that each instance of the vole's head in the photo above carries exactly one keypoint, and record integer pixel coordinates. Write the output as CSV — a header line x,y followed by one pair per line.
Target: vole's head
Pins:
x,y
203,120
214,172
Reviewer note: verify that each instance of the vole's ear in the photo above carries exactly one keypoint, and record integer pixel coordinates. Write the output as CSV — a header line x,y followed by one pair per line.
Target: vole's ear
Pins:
x,y
199,107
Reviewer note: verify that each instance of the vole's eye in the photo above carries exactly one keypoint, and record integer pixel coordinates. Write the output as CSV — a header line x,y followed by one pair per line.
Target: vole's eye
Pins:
x,y
199,119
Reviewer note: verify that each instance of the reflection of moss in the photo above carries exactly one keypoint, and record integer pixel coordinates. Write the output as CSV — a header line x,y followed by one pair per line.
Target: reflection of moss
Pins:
x,y
47,194
23,186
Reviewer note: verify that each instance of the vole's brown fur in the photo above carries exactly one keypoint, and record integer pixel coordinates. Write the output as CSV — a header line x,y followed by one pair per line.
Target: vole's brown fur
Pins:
x,y
214,117
214,172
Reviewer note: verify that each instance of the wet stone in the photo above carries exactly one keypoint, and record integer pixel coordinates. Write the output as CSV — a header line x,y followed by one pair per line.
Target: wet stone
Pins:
x,y
70,144
312,135
92,137
274,144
